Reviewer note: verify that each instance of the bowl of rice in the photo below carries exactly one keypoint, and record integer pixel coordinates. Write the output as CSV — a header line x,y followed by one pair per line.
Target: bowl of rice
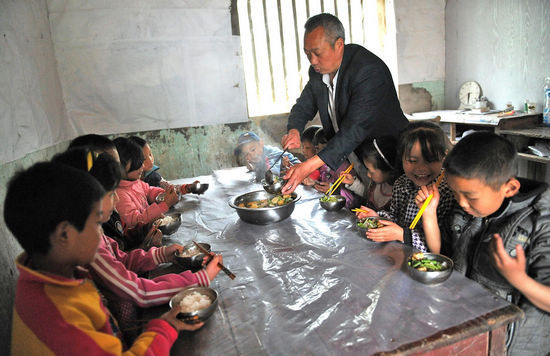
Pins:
x,y
196,304
169,223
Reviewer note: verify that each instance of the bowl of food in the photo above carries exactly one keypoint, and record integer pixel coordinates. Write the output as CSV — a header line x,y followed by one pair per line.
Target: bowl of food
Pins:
x,y
332,203
197,188
262,208
191,257
196,304
169,223
370,222
276,187
429,268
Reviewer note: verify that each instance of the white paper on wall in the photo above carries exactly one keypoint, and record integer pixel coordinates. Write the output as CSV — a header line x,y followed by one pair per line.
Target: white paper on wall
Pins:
x,y
135,69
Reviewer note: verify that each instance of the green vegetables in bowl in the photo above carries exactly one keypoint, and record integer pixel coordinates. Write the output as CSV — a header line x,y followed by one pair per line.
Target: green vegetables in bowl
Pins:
x,y
327,199
419,262
369,223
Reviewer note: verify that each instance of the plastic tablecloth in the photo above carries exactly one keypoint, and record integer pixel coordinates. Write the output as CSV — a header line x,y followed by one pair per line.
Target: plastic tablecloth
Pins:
x,y
311,284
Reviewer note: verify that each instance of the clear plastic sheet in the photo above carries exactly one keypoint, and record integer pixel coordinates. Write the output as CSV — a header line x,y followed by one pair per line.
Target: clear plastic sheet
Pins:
x,y
310,284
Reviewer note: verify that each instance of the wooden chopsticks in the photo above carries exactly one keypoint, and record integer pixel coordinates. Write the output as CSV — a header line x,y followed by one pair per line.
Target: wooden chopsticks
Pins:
x,y
338,181
357,210
426,202
205,251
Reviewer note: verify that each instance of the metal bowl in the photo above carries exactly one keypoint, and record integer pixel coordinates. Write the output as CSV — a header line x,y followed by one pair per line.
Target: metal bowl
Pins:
x,y
363,229
262,216
333,205
431,277
197,315
192,257
197,188
274,188
170,223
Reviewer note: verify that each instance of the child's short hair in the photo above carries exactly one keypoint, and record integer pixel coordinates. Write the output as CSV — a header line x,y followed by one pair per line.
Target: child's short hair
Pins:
x,y
140,142
434,143
485,156
103,167
44,195
309,133
319,138
94,142
129,151
381,152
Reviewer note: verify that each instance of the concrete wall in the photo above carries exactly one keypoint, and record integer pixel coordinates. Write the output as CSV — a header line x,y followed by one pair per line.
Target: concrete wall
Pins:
x,y
420,37
503,45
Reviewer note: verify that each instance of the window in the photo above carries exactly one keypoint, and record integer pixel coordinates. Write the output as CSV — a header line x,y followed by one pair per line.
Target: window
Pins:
x,y
272,31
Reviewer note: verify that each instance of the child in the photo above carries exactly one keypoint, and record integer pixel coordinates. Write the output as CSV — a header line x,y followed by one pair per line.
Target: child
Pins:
x,y
499,233
116,272
138,204
56,310
128,239
150,170
96,143
259,158
308,150
422,148
327,176
379,157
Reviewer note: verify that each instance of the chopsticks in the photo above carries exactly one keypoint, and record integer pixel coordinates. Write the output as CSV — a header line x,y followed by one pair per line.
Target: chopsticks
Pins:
x,y
338,181
357,210
426,202
205,251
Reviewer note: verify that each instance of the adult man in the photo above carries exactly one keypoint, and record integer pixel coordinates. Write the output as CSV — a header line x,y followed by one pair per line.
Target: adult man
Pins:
x,y
353,91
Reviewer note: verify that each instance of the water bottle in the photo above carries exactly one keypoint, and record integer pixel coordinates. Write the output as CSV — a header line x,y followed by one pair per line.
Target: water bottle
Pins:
x,y
546,102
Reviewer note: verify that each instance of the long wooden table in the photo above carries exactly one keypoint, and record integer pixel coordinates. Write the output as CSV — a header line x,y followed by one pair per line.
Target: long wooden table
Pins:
x,y
311,285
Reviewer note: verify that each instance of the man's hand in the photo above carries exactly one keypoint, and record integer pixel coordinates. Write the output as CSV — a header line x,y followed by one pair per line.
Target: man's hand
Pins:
x,y
291,140
296,174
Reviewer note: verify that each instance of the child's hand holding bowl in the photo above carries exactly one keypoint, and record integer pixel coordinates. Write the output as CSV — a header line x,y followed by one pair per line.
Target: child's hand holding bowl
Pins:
x,y
170,196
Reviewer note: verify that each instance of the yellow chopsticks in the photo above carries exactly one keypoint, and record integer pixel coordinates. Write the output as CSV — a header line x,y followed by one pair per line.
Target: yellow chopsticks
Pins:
x,y
357,210
338,181
426,202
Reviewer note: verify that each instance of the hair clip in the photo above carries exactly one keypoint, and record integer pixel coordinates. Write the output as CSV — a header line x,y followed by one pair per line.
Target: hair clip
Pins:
x,y
90,159
381,154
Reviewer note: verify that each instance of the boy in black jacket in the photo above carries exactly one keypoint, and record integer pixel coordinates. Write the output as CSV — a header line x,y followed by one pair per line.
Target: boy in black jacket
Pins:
x,y
499,233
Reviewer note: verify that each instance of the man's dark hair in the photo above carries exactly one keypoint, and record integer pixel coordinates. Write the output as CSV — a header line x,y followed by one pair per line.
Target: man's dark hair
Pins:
x,y
44,195
309,133
94,142
434,143
485,156
104,167
330,23
140,142
129,151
